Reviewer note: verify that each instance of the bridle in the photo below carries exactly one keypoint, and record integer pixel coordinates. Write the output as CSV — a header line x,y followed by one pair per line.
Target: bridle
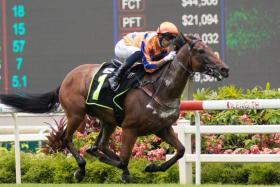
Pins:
x,y
207,69
161,78
189,68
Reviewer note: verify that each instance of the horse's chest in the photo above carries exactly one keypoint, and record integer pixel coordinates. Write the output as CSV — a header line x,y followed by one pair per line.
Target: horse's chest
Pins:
x,y
163,115
168,114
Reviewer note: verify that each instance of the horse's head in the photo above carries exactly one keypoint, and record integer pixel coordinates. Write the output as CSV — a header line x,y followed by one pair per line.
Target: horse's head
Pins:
x,y
198,57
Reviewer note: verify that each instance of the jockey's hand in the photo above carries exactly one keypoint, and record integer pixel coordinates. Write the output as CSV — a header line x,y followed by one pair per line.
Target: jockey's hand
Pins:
x,y
170,56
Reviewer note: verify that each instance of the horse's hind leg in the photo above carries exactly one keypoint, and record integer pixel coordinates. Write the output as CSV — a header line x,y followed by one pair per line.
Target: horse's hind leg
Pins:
x,y
73,124
129,137
170,137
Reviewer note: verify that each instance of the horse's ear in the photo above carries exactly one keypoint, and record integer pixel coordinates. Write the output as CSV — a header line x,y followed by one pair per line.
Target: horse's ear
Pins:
x,y
178,42
182,36
186,38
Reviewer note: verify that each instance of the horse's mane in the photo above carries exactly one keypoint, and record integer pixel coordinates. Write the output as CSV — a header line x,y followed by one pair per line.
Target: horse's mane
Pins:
x,y
180,41
177,44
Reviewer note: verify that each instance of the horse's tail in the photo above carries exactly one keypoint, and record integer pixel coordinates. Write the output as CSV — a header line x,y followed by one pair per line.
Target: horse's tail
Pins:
x,y
32,103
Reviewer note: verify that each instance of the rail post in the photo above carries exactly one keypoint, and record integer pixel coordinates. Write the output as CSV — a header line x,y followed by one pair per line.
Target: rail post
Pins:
x,y
185,169
197,149
17,149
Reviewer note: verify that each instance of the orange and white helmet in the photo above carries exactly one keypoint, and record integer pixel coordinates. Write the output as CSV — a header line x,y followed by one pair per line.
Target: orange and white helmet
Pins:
x,y
167,27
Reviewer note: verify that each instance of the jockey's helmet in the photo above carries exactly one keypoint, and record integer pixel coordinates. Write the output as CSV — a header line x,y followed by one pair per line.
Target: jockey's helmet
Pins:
x,y
168,30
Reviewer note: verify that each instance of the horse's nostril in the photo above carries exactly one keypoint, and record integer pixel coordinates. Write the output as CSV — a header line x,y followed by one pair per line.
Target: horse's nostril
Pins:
x,y
224,71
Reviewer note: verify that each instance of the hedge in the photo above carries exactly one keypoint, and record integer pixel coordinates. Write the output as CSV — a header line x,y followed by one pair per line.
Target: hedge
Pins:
x,y
58,168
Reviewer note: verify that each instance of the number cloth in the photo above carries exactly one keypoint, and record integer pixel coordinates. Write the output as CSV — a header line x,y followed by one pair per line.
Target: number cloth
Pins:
x,y
100,93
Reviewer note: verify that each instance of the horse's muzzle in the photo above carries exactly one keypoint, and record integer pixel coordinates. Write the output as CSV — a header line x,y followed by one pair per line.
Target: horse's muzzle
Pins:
x,y
224,71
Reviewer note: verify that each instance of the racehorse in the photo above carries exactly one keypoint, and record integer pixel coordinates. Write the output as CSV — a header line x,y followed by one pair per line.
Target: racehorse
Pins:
x,y
145,111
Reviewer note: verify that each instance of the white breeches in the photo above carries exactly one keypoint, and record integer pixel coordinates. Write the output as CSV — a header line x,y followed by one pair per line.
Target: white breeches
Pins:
x,y
123,51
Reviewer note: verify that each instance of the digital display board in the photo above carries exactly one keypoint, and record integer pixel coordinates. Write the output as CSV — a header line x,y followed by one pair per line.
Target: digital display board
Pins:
x,y
42,40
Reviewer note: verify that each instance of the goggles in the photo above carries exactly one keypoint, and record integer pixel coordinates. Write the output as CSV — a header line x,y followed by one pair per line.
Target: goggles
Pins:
x,y
168,36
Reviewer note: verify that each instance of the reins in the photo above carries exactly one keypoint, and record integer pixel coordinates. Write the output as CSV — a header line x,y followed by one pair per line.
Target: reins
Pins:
x,y
189,64
161,77
153,94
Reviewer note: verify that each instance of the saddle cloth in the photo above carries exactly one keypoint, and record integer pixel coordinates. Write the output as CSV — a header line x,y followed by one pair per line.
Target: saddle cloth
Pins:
x,y
100,93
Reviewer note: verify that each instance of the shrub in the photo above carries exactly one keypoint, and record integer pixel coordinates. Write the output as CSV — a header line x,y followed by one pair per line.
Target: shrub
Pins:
x,y
7,169
239,143
58,168
264,174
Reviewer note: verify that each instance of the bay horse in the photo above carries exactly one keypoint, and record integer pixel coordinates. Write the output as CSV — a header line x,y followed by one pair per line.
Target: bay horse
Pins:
x,y
145,112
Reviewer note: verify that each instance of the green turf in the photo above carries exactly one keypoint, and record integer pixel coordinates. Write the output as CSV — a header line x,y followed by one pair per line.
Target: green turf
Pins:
x,y
128,185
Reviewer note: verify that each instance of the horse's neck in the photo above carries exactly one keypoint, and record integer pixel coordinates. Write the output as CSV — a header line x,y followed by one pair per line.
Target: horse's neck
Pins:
x,y
172,84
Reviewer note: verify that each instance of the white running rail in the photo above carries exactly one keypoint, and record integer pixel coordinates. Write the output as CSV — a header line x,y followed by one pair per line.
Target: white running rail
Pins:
x,y
184,131
23,127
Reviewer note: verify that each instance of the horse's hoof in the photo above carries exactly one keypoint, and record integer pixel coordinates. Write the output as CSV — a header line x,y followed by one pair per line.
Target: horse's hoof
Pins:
x,y
92,150
126,179
79,175
152,168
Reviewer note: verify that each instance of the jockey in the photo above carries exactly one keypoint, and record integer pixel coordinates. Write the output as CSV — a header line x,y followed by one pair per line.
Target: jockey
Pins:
x,y
150,47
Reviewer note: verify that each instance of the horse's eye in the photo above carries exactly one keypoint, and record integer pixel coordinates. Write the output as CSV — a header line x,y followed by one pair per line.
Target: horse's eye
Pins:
x,y
201,51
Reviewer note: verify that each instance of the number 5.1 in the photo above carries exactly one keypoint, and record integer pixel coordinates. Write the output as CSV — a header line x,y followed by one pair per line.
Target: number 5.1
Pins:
x,y
18,82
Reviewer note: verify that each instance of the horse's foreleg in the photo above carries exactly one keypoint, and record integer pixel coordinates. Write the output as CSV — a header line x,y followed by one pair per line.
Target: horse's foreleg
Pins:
x,y
128,139
170,137
73,124
101,147
92,150
103,144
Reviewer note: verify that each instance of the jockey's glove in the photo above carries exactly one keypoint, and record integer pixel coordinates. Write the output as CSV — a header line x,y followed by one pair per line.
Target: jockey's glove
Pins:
x,y
171,55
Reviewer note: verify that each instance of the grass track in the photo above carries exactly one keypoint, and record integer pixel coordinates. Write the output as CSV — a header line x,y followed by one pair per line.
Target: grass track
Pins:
x,y
128,185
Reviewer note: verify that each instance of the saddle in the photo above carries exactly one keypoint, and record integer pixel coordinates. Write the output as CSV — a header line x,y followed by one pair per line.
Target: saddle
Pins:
x,y
100,93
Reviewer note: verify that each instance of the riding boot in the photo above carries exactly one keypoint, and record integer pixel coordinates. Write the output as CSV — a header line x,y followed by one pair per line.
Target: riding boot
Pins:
x,y
118,75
